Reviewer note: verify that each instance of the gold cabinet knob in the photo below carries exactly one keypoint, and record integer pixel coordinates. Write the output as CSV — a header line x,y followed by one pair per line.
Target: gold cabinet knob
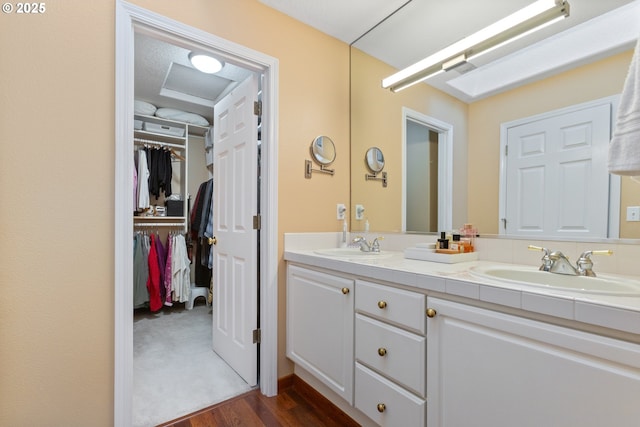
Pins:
x,y
382,305
213,240
381,407
345,291
431,312
382,351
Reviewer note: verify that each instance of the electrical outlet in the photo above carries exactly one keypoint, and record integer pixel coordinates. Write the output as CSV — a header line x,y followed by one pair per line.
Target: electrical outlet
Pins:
x,y
340,210
359,212
633,213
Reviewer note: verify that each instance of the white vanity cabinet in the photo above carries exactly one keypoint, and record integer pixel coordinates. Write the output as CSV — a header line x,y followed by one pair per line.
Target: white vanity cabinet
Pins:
x,y
487,368
320,326
390,351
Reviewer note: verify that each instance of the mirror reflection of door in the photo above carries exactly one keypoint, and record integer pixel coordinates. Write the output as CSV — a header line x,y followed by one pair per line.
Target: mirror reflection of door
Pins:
x,y
421,178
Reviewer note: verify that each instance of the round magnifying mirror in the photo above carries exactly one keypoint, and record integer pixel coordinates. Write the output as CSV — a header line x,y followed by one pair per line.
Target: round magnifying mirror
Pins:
x,y
323,151
375,159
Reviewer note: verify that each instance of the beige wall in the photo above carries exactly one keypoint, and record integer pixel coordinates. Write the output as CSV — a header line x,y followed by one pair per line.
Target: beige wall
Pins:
x,y
598,80
376,121
57,175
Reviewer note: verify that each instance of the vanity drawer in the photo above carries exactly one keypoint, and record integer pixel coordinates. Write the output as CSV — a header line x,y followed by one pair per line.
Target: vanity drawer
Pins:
x,y
394,352
404,308
387,403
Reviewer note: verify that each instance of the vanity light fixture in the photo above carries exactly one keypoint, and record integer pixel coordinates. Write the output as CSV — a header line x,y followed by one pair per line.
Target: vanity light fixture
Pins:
x,y
525,21
205,63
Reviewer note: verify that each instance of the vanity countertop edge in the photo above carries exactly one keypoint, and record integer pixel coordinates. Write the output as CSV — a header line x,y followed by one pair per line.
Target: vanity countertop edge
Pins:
x,y
620,313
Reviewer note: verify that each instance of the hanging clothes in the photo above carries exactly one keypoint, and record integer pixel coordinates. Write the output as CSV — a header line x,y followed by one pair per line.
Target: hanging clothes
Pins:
x,y
153,282
168,300
201,218
140,271
143,180
160,171
180,270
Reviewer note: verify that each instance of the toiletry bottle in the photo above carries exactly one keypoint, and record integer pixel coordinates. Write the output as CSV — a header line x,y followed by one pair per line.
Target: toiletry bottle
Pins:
x,y
343,242
443,243
456,244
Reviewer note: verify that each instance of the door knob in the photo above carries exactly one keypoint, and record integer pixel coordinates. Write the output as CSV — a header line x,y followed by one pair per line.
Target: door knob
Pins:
x,y
431,312
213,240
381,407
345,291
382,351
382,305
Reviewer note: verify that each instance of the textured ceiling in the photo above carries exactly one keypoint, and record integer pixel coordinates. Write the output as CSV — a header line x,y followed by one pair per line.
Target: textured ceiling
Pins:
x,y
165,77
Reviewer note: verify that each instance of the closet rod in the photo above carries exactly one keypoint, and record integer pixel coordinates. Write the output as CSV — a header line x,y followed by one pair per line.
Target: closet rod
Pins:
x,y
159,224
161,144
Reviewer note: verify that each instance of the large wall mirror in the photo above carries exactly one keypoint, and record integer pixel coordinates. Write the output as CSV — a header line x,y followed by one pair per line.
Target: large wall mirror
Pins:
x,y
475,100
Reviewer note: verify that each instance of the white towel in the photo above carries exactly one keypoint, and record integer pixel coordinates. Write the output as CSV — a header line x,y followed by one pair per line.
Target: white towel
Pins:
x,y
624,149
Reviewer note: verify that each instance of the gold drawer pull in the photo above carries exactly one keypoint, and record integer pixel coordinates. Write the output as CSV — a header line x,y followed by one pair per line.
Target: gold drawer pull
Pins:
x,y
382,305
431,312
381,407
382,351
345,291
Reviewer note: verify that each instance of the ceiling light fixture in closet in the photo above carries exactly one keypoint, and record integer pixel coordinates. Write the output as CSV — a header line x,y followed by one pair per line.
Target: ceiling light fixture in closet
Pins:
x,y
205,63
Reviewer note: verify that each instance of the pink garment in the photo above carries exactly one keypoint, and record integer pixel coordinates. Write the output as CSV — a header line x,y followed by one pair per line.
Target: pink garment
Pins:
x,y
153,282
167,273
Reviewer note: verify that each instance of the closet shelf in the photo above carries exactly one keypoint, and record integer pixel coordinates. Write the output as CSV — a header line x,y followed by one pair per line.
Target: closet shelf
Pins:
x,y
158,218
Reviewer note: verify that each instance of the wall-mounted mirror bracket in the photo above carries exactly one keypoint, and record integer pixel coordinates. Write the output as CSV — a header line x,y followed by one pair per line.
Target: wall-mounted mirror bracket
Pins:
x,y
308,168
323,152
382,177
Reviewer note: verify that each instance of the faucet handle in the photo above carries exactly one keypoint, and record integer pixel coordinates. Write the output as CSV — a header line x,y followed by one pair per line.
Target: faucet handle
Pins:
x,y
584,263
546,260
376,243
538,248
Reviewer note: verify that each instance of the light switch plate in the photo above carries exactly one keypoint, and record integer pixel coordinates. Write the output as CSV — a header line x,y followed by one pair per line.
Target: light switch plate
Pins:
x,y
633,213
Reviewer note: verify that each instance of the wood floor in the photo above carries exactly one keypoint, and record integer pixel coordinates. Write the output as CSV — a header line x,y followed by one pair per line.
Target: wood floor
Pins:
x,y
297,404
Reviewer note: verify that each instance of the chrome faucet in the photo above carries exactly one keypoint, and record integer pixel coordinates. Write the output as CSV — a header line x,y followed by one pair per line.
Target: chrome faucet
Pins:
x,y
557,262
560,264
366,246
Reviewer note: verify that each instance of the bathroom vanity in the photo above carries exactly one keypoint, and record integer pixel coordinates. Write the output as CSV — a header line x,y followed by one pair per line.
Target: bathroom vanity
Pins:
x,y
399,342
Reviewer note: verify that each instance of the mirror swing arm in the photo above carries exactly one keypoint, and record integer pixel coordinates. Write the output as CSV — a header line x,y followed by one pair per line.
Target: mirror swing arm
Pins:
x,y
308,168
374,176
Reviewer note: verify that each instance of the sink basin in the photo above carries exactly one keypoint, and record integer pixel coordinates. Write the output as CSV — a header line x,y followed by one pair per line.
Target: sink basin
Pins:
x,y
352,253
604,285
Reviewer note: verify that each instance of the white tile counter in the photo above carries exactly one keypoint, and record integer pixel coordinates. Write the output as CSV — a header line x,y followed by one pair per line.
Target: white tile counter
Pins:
x,y
615,312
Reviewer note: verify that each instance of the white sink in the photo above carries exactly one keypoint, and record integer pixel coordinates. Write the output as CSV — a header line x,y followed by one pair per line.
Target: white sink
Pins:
x,y
352,253
604,285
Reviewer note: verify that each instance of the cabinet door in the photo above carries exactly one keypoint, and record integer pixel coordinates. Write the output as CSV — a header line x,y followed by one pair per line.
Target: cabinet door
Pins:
x,y
492,369
320,327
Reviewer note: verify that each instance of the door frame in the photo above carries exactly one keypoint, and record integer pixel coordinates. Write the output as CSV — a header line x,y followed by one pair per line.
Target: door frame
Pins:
x,y
613,223
129,20
445,165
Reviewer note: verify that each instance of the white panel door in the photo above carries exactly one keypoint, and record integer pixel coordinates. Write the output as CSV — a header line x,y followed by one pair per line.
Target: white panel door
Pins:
x,y
557,177
235,255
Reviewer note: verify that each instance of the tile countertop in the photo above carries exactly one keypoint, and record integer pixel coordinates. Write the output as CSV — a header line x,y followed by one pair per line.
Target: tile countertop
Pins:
x,y
615,312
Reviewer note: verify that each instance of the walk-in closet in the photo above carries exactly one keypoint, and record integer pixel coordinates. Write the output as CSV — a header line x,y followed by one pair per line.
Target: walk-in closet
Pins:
x,y
176,371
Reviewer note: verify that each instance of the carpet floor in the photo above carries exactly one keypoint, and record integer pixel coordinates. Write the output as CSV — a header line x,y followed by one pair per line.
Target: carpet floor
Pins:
x,y
176,371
